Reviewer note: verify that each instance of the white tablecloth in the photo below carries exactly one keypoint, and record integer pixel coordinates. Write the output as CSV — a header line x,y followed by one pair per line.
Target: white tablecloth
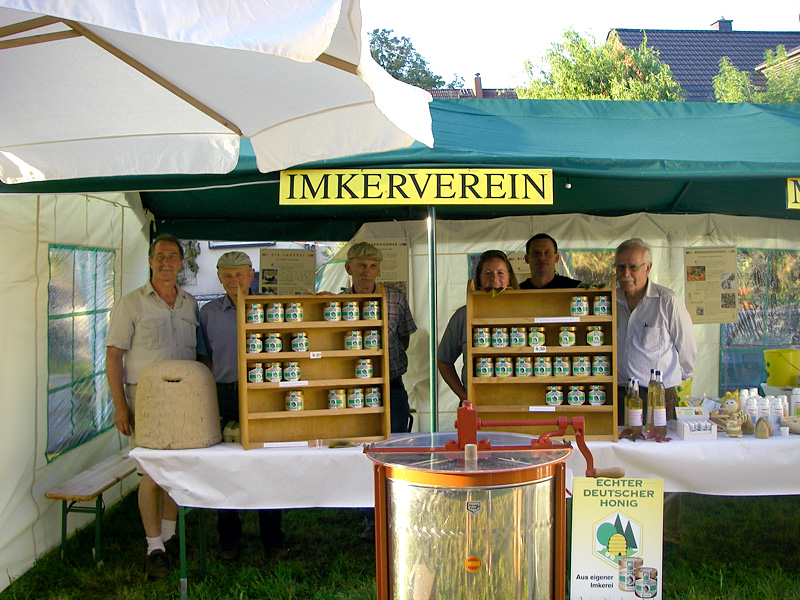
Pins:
x,y
723,467
227,476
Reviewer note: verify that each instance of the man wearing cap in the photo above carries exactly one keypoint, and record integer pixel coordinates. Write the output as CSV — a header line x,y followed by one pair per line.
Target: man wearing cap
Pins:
x,y
364,265
541,254
158,321
218,325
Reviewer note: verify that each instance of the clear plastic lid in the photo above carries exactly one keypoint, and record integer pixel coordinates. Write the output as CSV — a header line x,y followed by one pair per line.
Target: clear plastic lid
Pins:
x,y
454,462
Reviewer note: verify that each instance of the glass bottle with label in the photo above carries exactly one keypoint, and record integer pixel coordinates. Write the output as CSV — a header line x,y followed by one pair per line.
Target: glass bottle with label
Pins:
x,y
633,407
657,402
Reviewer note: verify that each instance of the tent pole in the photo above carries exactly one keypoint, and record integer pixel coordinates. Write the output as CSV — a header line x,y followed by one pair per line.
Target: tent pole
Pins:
x,y
432,370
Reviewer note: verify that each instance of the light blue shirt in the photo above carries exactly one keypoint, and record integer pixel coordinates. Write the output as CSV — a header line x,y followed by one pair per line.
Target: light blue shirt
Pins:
x,y
218,326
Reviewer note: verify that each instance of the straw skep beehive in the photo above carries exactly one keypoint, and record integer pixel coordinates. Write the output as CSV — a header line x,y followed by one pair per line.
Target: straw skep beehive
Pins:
x,y
176,406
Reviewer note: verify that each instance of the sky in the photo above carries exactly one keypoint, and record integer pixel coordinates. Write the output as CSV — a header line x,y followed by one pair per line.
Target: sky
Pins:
x,y
496,37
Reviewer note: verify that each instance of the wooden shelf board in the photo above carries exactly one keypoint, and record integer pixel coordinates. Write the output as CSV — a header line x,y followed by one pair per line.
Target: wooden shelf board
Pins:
x,y
303,325
550,351
292,356
528,321
526,408
300,414
328,383
590,380
324,442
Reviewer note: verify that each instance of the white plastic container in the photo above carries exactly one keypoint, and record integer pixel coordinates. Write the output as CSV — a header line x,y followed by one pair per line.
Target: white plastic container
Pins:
x,y
794,403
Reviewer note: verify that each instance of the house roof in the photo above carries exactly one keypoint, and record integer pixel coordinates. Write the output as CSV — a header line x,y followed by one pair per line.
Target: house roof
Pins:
x,y
468,93
694,55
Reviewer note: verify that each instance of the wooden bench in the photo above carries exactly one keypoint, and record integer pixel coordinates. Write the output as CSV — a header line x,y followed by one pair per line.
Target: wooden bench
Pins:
x,y
87,486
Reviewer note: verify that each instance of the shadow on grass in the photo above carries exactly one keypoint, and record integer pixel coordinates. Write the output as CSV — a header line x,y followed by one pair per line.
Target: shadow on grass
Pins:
x,y
744,548
325,560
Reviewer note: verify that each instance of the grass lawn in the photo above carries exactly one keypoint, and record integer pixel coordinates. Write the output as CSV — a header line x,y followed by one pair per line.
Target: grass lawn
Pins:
x,y
732,549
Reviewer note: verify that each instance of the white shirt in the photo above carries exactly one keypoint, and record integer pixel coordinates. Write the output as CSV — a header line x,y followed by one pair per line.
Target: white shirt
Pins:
x,y
147,329
658,334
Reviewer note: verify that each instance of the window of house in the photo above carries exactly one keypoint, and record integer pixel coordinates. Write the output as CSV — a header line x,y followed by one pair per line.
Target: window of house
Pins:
x,y
81,295
769,315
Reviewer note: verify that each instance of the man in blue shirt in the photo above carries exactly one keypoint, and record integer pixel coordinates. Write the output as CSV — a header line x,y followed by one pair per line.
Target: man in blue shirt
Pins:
x,y
218,324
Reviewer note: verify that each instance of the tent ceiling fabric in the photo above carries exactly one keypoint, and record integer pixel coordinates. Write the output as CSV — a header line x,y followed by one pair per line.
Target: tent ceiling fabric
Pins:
x,y
619,157
139,87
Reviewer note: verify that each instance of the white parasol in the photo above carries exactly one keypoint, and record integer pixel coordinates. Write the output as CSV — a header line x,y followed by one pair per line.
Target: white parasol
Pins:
x,y
137,87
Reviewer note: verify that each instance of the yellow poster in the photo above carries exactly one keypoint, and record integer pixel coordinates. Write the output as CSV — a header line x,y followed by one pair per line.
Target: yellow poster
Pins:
x,y
401,186
616,538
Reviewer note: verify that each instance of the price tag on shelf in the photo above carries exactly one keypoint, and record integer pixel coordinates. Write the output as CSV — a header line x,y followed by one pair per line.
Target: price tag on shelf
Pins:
x,y
315,354
293,383
557,320
539,349
541,409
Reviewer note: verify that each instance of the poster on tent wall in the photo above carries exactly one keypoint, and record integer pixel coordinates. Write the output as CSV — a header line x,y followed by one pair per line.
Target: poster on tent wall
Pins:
x,y
616,538
712,286
286,272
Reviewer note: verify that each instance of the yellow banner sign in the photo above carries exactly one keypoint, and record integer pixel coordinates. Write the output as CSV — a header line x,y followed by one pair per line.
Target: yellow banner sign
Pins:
x,y
793,193
417,186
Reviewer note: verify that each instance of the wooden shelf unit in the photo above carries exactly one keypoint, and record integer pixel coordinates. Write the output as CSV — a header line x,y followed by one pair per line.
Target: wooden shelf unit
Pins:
x,y
326,365
506,398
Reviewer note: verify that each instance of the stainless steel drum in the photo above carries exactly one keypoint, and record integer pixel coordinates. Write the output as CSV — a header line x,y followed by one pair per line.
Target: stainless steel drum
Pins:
x,y
487,525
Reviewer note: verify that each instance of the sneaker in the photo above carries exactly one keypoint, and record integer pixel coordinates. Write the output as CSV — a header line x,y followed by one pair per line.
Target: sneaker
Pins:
x,y
156,565
173,547
229,553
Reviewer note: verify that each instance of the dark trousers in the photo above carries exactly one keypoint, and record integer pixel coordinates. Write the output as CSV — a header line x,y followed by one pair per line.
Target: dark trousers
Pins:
x,y
399,409
229,525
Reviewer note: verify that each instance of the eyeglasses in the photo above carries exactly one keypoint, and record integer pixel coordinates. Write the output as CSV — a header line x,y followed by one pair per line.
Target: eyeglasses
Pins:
x,y
631,268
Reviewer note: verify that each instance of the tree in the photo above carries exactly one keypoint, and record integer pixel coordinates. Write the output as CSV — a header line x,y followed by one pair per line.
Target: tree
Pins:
x,y
782,81
398,57
731,84
580,70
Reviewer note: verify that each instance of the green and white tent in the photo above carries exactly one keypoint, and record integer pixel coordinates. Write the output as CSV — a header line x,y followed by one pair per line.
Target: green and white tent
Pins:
x,y
676,174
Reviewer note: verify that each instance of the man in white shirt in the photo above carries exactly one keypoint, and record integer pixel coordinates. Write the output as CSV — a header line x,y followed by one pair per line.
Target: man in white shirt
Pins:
x,y
158,321
654,329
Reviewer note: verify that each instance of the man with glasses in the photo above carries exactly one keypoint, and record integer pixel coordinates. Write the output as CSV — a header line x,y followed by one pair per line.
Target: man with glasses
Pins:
x,y
654,329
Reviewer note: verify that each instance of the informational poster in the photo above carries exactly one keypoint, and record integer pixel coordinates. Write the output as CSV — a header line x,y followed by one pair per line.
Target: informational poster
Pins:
x,y
712,287
616,538
286,272
394,266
